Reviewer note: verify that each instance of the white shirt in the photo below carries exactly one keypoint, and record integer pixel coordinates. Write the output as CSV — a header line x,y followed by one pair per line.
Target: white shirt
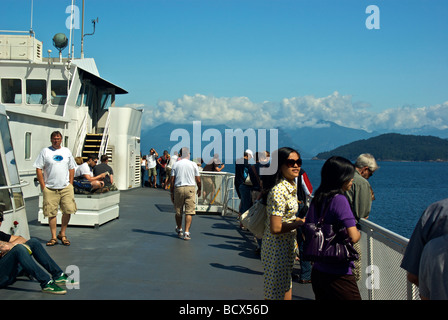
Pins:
x,y
55,165
173,160
83,169
185,171
151,159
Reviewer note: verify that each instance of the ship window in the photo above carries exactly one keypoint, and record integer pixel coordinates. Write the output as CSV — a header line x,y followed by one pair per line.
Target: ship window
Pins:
x,y
36,92
27,145
81,92
5,200
59,92
11,91
106,101
88,96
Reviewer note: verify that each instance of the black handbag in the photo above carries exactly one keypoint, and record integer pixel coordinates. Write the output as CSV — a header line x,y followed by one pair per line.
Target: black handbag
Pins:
x,y
327,243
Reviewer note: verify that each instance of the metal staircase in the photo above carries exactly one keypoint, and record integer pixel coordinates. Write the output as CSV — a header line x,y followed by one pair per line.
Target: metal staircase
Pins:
x,y
92,144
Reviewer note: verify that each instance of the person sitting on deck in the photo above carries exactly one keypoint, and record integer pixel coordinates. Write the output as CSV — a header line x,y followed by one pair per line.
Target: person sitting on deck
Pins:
x,y
84,178
16,258
104,167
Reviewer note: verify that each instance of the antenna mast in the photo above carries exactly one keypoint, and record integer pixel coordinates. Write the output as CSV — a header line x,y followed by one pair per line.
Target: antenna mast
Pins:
x,y
31,26
94,22
71,48
82,31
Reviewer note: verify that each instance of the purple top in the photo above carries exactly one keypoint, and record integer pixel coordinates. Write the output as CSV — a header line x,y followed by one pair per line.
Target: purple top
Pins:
x,y
339,211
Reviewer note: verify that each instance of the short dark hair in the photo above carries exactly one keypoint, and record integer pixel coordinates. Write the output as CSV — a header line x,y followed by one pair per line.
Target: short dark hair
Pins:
x,y
55,133
92,156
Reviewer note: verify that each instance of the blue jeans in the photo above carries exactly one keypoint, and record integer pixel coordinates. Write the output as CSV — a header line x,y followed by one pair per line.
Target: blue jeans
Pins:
x,y
19,259
305,266
246,197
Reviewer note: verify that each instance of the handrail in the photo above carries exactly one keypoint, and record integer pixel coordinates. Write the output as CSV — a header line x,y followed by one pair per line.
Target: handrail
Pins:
x,y
105,138
369,225
80,136
21,185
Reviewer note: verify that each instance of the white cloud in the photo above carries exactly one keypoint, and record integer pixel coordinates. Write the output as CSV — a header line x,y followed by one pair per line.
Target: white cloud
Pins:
x,y
409,118
241,112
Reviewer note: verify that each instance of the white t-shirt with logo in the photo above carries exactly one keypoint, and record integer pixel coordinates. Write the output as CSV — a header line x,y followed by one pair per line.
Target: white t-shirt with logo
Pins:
x,y
55,165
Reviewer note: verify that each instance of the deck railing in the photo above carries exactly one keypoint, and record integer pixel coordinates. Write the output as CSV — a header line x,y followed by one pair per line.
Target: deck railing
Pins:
x,y
381,253
382,250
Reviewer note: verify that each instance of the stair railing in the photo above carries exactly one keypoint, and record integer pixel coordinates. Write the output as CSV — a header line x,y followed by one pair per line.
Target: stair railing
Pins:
x,y
105,138
80,137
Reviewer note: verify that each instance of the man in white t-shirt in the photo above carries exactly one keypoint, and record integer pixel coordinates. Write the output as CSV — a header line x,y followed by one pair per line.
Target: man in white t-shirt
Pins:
x,y
184,178
151,160
55,169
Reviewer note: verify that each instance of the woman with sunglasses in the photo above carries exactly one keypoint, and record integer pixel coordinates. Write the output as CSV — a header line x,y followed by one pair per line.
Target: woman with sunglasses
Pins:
x,y
277,250
334,281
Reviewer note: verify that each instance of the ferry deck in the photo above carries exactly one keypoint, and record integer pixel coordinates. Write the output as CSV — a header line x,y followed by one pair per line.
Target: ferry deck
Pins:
x,y
139,256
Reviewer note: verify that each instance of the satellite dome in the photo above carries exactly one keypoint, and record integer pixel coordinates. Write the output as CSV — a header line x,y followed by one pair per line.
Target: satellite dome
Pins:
x,y
60,41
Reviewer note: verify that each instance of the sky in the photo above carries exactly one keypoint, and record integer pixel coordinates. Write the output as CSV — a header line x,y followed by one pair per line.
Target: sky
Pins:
x,y
262,63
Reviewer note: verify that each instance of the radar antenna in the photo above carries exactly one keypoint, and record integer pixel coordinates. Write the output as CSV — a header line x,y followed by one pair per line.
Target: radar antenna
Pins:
x,y
60,42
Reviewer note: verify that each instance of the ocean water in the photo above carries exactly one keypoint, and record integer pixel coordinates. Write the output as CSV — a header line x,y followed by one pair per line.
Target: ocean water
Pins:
x,y
403,190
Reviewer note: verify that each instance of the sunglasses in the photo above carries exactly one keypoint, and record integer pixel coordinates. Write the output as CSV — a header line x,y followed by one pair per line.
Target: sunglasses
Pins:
x,y
290,163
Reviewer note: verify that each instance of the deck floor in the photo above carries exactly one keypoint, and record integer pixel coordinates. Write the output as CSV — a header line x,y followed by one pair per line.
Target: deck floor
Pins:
x,y
139,257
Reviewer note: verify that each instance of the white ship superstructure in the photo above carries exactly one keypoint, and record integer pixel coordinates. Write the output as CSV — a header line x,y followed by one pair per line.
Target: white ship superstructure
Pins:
x,y
44,94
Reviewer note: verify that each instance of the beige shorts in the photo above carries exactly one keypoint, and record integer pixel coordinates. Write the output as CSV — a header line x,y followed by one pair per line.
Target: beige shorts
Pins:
x,y
185,197
168,172
152,172
53,198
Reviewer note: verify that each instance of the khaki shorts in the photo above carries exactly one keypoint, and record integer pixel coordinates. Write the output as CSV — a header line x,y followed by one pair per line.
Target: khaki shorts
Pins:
x,y
185,196
152,172
168,172
53,198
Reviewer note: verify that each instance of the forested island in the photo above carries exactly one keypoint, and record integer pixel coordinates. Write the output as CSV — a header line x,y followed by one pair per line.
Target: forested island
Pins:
x,y
394,147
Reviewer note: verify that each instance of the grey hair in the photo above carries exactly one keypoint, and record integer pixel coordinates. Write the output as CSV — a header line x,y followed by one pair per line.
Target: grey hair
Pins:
x,y
366,160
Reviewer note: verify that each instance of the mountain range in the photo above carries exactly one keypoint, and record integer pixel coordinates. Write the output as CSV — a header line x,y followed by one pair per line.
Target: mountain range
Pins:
x,y
309,141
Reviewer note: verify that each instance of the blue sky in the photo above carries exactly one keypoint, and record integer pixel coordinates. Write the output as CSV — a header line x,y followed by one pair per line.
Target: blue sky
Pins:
x,y
263,62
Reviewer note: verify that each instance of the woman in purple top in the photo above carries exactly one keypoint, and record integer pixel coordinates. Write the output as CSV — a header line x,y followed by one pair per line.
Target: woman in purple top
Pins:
x,y
334,281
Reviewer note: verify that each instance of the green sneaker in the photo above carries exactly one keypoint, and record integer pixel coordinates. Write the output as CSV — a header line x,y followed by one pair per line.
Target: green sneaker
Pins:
x,y
64,280
53,288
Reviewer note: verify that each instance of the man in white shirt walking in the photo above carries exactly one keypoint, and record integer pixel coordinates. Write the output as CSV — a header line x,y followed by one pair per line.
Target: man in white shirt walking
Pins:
x,y
55,169
184,178
151,161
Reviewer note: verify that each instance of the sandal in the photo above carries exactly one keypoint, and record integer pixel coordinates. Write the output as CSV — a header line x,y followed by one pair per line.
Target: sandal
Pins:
x,y
52,242
64,240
